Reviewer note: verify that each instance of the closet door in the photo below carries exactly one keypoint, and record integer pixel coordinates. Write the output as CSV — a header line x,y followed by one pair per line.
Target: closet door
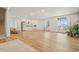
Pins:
x,y
2,20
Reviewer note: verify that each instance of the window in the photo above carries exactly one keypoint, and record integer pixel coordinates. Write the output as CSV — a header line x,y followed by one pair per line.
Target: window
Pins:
x,y
62,22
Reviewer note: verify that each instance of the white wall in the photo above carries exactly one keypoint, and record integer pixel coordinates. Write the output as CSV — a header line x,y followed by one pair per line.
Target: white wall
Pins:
x,y
41,24
74,19
9,23
13,21
53,24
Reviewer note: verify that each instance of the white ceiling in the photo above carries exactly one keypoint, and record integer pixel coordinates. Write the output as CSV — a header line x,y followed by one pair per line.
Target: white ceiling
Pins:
x,y
42,12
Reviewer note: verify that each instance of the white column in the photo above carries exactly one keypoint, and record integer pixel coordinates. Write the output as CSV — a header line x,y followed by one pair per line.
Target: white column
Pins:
x,y
7,23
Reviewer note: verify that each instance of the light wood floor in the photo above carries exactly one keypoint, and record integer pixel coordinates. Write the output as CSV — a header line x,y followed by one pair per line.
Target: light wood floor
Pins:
x,y
2,40
48,41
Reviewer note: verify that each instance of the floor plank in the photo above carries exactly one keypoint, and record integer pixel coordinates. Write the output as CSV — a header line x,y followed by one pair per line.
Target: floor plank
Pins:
x,y
48,41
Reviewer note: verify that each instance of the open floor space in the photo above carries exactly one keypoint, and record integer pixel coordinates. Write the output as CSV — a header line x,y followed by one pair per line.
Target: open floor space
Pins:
x,y
48,41
39,29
